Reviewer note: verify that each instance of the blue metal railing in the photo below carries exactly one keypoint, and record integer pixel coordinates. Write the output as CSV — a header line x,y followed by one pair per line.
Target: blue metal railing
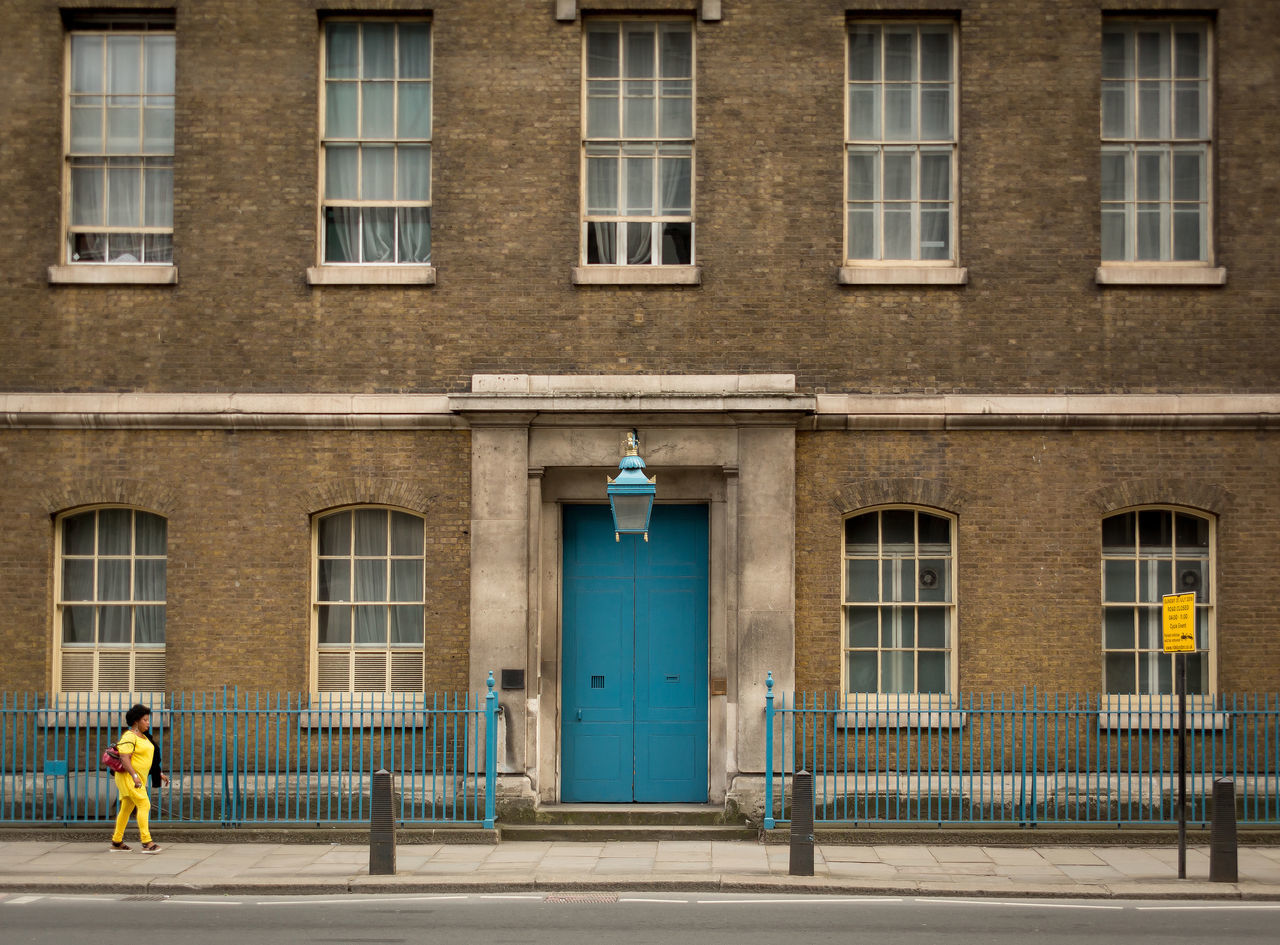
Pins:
x,y
1020,759
256,758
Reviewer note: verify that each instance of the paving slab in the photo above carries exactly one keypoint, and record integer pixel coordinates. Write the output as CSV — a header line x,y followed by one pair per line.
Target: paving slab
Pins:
x,y
905,856
623,864
1132,862
854,869
1070,856
1091,873
947,854
1014,856
679,847
630,849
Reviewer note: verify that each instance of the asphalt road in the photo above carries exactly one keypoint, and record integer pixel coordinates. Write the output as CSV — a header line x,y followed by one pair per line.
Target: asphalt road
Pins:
x,y
625,919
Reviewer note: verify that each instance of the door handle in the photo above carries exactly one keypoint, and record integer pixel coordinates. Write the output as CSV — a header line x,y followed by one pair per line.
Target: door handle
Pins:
x,y
673,677
579,715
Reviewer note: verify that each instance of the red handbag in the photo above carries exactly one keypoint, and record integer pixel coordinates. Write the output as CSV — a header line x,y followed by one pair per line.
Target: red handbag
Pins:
x,y
111,759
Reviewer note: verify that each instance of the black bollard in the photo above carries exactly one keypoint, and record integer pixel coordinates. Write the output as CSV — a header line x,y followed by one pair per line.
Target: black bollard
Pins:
x,y
1223,861
382,827
802,824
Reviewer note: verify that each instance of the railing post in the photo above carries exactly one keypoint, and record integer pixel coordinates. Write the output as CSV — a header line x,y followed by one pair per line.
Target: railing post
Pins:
x,y
490,752
769,822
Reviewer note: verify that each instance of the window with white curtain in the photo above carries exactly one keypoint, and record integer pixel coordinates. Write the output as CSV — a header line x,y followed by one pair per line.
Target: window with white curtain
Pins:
x,y
899,603
112,565
369,600
900,145
1156,141
1146,554
637,150
119,144
376,142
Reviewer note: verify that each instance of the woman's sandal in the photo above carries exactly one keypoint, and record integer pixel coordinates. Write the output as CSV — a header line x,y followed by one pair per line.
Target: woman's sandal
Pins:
x,y
121,847
150,848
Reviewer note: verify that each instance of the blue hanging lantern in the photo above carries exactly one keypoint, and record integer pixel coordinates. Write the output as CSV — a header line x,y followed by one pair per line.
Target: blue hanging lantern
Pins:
x,y
631,493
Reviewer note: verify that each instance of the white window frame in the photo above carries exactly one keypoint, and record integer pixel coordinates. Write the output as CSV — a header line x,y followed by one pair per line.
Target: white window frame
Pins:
x,y
1165,146
394,663
360,271
125,267
1206,611
878,268
913,701
130,667
656,269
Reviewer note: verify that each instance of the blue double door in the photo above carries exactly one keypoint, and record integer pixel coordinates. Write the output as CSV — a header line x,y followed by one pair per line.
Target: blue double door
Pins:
x,y
634,674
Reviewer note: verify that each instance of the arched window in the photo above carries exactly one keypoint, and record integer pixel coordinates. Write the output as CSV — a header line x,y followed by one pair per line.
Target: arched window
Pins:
x,y
1146,554
899,603
369,603
111,601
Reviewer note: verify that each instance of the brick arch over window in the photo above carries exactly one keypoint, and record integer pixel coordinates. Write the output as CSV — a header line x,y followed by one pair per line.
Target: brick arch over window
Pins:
x,y
867,493
393,493
1163,490
134,493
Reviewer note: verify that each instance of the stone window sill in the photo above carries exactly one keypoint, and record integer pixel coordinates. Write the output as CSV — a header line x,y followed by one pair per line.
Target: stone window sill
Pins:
x,y
1163,720
1129,274
924,717
371,275
365,710
99,709
637,275
112,274
903,275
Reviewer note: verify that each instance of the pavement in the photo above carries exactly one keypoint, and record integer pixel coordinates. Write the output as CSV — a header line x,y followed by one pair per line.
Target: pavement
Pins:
x,y
242,868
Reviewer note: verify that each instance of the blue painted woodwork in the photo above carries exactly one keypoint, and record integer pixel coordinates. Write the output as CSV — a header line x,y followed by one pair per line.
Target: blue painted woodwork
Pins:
x,y
634,699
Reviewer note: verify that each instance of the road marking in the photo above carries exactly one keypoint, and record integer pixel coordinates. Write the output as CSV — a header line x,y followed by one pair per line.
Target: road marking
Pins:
x,y
792,899
352,899
1208,908
534,898
22,900
207,902
1005,902
681,901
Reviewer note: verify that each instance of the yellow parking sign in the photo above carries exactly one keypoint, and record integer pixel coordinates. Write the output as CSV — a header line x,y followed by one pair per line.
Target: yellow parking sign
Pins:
x,y
1179,623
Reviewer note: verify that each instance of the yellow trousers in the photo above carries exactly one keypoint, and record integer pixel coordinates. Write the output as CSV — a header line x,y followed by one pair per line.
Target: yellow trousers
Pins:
x,y
133,799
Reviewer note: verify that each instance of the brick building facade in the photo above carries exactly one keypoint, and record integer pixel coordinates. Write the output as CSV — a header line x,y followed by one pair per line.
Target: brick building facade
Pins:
x,y
803,349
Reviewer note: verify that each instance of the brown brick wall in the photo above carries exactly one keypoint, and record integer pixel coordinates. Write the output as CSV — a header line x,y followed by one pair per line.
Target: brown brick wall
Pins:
x,y
1029,547
505,179
239,508
769,122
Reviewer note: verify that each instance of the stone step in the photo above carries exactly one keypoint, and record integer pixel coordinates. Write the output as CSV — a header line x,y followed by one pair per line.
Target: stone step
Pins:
x,y
620,815
587,833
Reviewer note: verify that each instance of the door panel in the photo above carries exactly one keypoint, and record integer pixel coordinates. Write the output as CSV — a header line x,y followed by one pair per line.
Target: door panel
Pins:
x,y
598,675
634,723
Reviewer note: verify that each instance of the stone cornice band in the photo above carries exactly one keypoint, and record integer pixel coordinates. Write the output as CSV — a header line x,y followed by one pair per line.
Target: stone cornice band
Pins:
x,y
677,399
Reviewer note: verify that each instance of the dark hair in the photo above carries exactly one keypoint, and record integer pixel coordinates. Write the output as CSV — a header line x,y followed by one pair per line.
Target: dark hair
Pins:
x,y
137,712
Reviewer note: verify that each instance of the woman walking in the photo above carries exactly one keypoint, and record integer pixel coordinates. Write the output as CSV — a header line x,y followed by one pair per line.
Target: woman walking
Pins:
x,y
136,753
